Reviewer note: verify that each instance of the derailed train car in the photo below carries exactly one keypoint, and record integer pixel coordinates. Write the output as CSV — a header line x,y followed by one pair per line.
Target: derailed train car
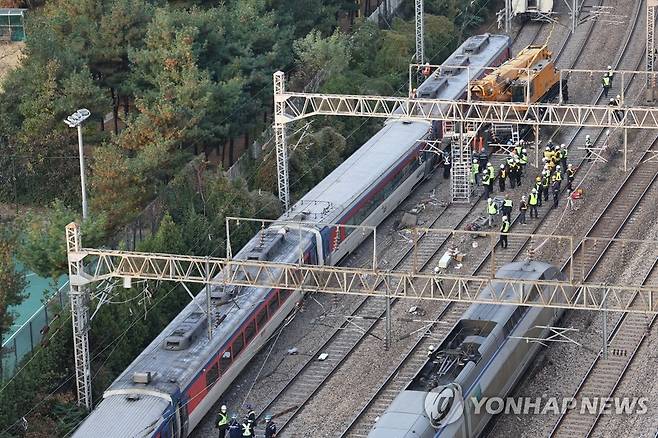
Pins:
x,y
481,357
168,388
529,9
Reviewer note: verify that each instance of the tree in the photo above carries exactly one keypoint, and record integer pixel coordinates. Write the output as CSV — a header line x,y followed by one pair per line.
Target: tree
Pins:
x,y
42,245
319,58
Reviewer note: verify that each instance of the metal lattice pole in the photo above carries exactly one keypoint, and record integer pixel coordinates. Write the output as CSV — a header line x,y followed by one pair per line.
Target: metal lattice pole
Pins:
x,y
420,32
280,139
79,316
651,42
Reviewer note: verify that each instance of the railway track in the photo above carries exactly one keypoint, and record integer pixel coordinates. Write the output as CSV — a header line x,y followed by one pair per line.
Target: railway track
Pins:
x,y
416,357
605,372
287,403
306,383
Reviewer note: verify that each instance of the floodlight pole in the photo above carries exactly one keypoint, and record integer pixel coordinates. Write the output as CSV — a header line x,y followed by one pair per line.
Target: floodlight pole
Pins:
x,y
75,121
83,178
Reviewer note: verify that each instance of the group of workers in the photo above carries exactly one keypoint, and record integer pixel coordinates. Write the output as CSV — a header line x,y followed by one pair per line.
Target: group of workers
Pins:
x,y
513,171
246,428
555,170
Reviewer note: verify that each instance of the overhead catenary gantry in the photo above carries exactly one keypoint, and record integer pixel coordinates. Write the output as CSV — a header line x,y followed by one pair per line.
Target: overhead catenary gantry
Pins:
x,y
88,266
294,106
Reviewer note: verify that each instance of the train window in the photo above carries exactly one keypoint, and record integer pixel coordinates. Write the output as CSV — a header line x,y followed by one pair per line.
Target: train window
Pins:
x,y
273,305
261,318
225,361
237,345
250,331
212,375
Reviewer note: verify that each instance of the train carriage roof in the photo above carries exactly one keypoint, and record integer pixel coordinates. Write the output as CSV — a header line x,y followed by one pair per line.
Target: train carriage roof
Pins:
x,y
361,171
130,418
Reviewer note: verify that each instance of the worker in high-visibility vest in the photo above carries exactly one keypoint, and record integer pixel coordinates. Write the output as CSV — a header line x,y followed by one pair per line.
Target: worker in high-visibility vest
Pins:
x,y
504,229
502,176
537,187
606,81
508,204
486,183
545,184
222,421
533,202
571,175
475,171
492,211
523,160
556,178
563,156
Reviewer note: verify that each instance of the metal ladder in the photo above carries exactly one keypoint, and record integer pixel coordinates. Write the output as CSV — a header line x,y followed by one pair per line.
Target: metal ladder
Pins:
x,y
512,130
460,178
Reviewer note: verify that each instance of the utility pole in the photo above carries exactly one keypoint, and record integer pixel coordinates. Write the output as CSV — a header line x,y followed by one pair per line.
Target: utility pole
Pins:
x,y
79,300
420,33
280,140
75,121
651,48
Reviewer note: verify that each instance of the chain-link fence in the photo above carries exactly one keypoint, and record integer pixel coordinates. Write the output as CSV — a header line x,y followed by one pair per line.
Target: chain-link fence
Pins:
x,y
29,336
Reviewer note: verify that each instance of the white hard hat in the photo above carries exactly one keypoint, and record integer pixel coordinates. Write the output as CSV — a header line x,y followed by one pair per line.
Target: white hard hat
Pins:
x,y
436,269
524,150
523,197
557,146
609,67
489,200
569,165
475,161
504,218
547,148
618,96
502,166
223,408
563,145
587,136
557,167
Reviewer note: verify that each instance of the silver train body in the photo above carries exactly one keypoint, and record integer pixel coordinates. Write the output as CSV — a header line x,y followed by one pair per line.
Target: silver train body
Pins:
x,y
482,356
168,389
532,8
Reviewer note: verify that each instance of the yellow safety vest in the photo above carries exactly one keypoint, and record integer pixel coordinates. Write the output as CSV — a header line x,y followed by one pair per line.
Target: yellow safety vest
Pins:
x,y
505,227
508,203
533,199
223,419
491,209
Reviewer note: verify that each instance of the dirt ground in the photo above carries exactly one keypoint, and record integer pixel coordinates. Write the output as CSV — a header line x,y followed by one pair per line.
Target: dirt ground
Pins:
x,y
10,58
